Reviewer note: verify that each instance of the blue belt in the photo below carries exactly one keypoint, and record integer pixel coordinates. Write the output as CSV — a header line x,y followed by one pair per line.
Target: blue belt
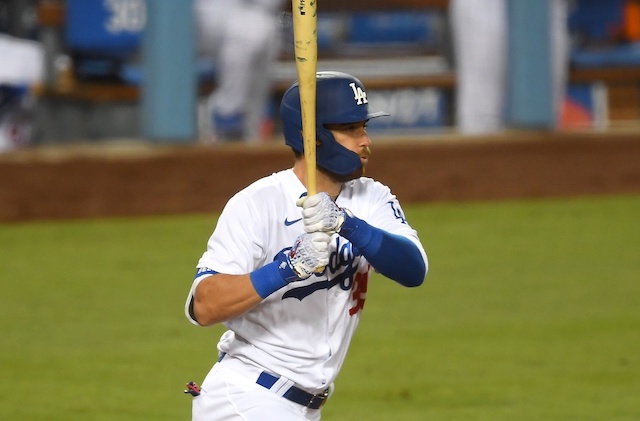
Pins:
x,y
295,394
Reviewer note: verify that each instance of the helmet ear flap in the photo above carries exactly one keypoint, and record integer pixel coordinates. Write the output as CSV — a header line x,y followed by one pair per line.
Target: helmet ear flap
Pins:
x,y
334,157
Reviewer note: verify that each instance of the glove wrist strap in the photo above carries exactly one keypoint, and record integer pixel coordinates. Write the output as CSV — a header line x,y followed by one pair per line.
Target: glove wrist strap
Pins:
x,y
270,278
352,226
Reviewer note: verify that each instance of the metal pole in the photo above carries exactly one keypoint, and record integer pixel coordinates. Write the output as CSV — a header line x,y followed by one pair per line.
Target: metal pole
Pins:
x,y
169,72
530,92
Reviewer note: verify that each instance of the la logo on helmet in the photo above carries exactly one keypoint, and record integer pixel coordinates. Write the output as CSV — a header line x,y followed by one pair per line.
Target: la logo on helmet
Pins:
x,y
358,94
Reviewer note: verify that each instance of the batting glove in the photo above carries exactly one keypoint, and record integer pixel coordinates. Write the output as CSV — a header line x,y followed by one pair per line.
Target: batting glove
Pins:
x,y
321,214
309,254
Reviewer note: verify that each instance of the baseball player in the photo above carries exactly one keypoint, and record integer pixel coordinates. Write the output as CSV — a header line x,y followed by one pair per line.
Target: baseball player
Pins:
x,y
240,36
288,274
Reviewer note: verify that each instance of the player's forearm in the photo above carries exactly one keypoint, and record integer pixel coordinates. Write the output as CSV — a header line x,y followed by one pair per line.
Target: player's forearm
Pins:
x,y
221,297
394,256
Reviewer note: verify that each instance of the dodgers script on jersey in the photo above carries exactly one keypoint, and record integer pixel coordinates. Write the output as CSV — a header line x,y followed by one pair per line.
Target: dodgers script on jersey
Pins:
x,y
324,309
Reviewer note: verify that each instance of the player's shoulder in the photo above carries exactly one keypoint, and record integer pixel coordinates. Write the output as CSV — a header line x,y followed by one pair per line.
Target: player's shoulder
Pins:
x,y
278,180
366,185
269,187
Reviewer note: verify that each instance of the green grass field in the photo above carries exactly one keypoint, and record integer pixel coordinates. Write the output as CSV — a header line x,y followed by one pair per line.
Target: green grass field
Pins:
x,y
531,311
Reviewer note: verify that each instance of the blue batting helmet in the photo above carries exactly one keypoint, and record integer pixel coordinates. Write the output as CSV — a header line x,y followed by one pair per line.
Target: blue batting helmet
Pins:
x,y
340,98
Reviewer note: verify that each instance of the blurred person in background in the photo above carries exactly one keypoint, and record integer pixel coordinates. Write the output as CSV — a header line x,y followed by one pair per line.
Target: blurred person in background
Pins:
x,y
243,39
480,43
21,71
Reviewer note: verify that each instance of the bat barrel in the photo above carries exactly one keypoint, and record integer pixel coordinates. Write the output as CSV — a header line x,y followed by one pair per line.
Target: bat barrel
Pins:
x,y
305,35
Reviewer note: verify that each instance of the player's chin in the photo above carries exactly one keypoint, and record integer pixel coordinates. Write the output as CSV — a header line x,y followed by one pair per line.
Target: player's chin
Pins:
x,y
363,169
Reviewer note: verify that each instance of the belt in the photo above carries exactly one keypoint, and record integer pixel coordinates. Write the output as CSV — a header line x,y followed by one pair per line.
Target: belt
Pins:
x,y
295,394
292,393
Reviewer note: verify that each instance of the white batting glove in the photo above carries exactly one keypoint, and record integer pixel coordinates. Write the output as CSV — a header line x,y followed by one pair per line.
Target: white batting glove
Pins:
x,y
309,254
321,214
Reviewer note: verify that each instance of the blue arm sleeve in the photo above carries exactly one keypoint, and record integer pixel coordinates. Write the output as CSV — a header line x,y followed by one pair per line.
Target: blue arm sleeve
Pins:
x,y
394,256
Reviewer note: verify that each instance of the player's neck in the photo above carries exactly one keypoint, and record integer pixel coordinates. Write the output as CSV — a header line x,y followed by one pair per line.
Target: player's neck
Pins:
x,y
328,185
324,182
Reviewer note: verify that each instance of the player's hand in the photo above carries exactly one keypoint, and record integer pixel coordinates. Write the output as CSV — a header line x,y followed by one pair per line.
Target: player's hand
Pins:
x,y
309,254
321,214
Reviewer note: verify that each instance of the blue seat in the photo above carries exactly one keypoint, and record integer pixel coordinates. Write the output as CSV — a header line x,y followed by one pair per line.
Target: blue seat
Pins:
x,y
596,21
391,27
101,35
596,27
623,56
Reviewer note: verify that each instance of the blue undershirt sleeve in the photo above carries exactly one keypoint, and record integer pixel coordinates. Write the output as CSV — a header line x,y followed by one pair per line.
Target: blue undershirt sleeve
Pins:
x,y
394,256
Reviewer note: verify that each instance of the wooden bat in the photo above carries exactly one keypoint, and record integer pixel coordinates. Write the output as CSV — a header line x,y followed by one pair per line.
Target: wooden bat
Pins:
x,y
305,37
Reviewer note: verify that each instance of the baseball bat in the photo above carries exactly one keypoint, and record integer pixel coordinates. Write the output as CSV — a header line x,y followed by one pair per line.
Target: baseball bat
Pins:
x,y
305,37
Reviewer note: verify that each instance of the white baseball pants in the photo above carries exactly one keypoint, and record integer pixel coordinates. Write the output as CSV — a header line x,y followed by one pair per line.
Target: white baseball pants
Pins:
x,y
230,393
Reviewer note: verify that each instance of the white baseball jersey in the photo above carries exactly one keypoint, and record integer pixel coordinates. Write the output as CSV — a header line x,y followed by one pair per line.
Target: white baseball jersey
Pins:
x,y
303,330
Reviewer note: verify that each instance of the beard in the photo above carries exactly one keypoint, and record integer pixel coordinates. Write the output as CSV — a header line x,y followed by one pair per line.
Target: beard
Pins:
x,y
344,178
